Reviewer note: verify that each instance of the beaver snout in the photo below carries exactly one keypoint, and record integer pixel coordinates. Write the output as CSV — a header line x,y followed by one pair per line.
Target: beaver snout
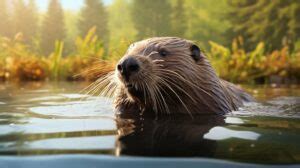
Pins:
x,y
127,67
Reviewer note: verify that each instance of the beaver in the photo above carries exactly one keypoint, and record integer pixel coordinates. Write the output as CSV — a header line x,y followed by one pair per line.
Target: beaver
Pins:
x,y
170,75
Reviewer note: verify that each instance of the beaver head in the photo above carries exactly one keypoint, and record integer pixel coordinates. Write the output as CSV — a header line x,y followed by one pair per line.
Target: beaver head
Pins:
x,y
167,75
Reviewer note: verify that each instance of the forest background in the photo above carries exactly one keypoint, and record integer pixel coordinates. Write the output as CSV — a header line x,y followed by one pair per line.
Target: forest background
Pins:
x,y
247,41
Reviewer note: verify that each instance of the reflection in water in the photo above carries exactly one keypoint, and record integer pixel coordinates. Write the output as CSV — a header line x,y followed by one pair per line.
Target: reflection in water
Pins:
x,y
206,136
168,137
53,118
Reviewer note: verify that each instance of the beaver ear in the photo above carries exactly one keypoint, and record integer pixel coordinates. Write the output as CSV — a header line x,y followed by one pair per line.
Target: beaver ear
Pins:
x,y
196,52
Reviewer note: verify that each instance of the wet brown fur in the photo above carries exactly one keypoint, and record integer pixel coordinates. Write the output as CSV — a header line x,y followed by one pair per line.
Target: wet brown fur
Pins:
x,y
175,83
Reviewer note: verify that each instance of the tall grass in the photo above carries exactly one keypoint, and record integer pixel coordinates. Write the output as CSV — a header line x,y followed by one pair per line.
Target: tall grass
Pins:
x,y
89,61
257,66
18,62
55,59
90,45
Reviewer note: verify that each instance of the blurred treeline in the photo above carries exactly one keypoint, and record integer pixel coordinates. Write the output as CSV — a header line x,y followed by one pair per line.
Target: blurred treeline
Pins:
x,y
246,40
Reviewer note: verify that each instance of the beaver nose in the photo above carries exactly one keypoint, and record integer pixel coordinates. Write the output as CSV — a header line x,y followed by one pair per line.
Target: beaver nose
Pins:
x,y
128,66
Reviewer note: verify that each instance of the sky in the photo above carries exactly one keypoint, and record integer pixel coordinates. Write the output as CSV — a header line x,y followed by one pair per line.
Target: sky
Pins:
x,y
67,4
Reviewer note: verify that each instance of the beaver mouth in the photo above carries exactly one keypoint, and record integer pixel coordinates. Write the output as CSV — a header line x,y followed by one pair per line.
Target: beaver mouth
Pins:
x,y
134,91
129,86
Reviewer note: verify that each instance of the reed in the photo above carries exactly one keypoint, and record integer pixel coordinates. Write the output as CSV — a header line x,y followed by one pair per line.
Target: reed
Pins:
x,y
55,60
257,66
89,61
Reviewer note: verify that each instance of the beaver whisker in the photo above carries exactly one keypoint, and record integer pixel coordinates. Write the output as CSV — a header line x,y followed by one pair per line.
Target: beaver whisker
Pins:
x,y
204,91
154,98
173,81
105,89
150,91
86,89
187,83
112,91
144,92
145,89
158,98
185,80
182,102
92,84
111,88
165,106
192,86
105,86
161,102
170,88
158,106
178,87
92,87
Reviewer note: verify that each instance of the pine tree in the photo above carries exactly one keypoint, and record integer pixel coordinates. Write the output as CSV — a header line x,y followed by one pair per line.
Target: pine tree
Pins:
x,y
152,18
120,27
5,24
179,19
25,20
52,27
276,22
94,14
31,21
205,21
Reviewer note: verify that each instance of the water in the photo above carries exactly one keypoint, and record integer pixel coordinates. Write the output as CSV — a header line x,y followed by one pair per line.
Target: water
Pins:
x,y
54,118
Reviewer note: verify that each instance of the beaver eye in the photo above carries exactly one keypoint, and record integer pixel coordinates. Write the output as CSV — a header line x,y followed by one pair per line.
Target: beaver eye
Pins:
x,y
163,53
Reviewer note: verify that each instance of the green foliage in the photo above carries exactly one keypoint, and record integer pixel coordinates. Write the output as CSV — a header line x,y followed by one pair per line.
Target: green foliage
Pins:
x,y
52,27
118,50
151,18
253,40
276,22
237,65
234,64
179,19
90,45
18,62
71,19
94,14
206,22
55,59
121,28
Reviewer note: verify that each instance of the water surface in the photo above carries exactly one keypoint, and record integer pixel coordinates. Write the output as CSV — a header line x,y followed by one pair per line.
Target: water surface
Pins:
x,y
56,118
